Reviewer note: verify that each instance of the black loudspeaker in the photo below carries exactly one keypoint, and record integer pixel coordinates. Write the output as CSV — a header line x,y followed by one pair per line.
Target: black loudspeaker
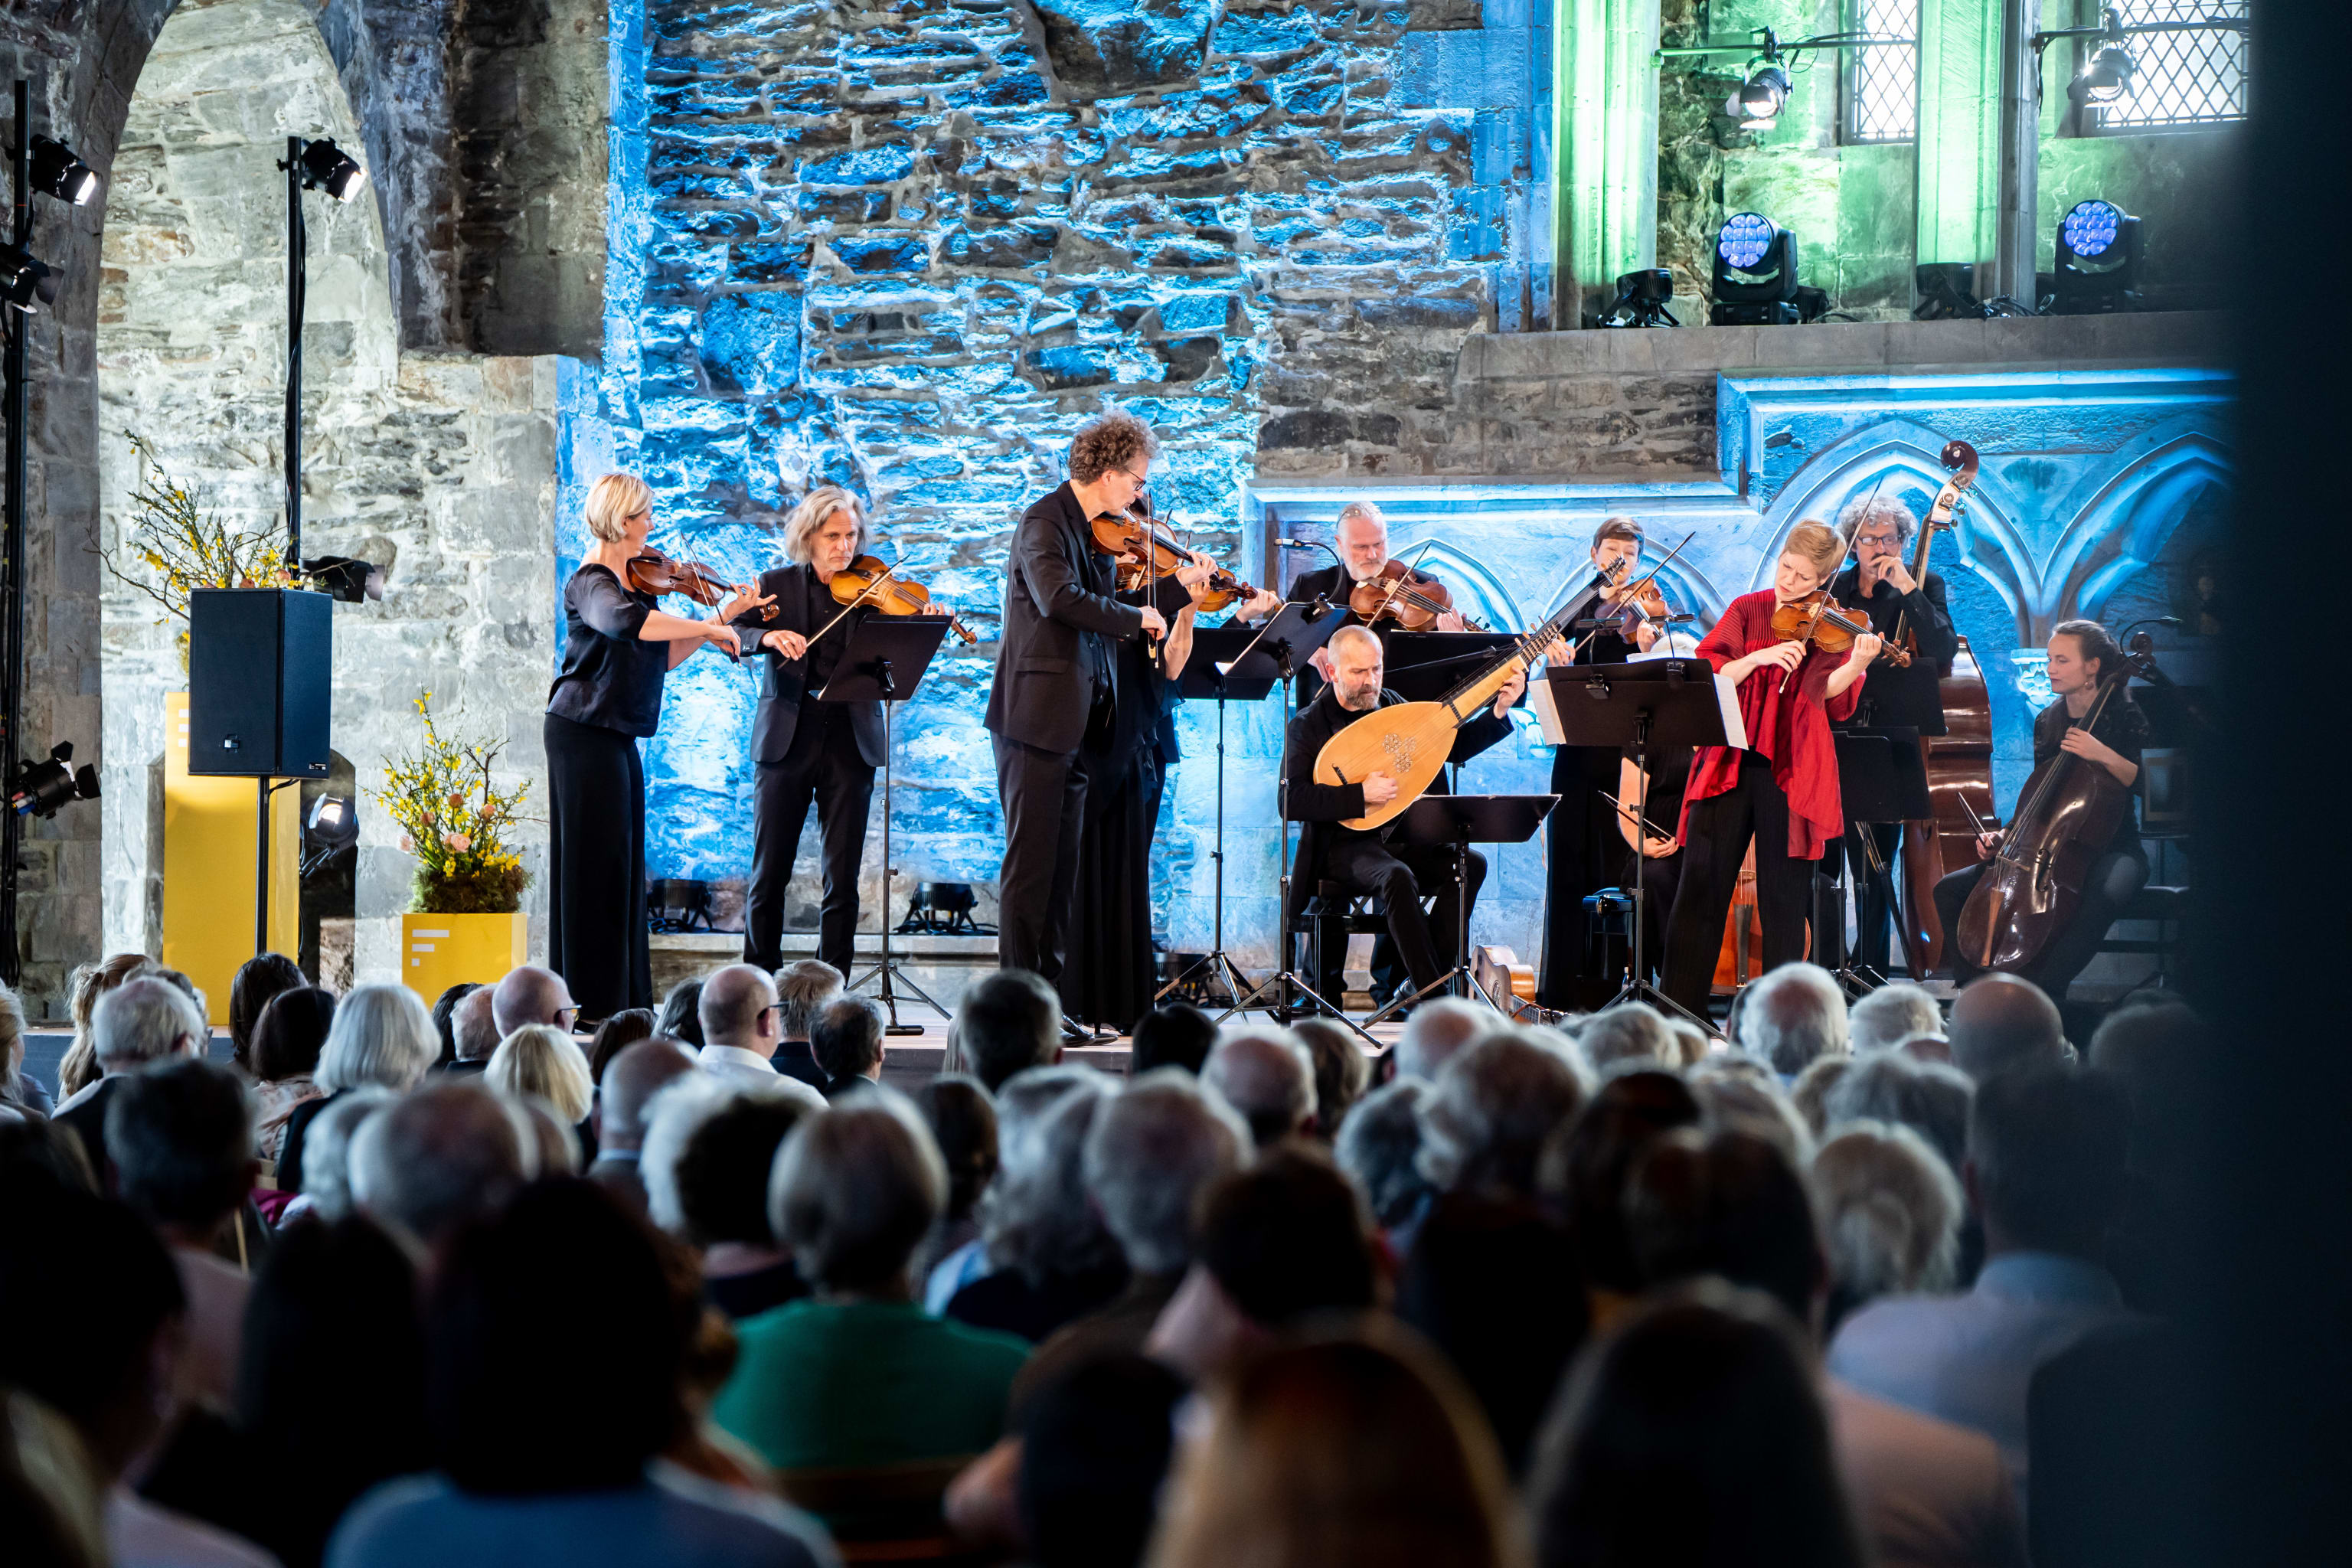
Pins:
x,y
260,671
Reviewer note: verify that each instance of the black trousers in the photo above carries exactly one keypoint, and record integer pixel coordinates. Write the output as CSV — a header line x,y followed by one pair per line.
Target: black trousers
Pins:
x,y
1720,828
1583,854
2115,878
1400,874
1043,795
821,767
596,867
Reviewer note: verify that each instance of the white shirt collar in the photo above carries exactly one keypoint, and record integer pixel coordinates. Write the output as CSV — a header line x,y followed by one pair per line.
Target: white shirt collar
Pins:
x,y
735,1058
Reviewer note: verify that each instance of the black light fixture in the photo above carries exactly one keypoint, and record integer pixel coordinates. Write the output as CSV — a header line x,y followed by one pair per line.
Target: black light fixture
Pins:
x,y
2106,77
26,283
345,578
1755,276
1946,293
58,172
327,167
2098,261
39,788
1642,299
1764,92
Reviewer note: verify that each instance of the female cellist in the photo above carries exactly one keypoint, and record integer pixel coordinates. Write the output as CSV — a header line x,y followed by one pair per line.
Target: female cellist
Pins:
x,y
1782,791
2082,656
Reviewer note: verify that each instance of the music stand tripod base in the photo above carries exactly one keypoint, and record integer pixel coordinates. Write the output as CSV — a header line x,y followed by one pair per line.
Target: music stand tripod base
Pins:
x,y
1204,675
1458,821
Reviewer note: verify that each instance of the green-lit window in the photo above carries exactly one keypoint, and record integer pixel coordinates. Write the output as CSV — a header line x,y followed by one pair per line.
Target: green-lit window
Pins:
x,y
2184,79
1881,82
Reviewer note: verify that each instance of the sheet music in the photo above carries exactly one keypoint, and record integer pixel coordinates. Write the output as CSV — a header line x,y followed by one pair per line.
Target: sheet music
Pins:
x,y
1547,710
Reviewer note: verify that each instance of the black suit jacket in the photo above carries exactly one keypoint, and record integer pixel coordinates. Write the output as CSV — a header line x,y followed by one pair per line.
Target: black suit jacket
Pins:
x,y
1910,696
88,1121
1061,616
1320,808
1333,583
782,681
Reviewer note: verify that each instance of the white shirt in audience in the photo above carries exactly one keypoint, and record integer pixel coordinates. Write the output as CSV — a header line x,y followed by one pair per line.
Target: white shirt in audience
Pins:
x,y
1928,1494
735,1062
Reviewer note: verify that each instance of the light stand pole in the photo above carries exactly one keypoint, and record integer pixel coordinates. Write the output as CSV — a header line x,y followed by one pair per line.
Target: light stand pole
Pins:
x,y
12,635
297,257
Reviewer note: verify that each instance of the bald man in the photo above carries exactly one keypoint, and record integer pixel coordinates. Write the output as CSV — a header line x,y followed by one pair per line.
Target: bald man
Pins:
x,y
631,1080
2001,1023
531,995
739,1028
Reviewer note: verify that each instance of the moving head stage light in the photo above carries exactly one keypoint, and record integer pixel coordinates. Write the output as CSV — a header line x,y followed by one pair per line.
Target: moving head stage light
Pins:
x,y
2098,261
1755,276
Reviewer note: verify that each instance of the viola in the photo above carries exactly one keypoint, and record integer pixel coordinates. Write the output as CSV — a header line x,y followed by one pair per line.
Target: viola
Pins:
x,y
867,581
651,572
1399,593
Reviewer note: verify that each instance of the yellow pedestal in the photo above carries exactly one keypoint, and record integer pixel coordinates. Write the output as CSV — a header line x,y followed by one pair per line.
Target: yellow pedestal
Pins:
x,y
208,866
437,952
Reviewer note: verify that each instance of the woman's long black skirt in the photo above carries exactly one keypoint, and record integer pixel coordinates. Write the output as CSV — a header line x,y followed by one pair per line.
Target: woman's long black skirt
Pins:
x,y
596,868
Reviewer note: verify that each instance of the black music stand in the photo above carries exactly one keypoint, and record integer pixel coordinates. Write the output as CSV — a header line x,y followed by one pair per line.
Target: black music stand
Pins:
x,y
1423,666
1633,707
1882,778
1280,649
885,661
1203,677
1459,821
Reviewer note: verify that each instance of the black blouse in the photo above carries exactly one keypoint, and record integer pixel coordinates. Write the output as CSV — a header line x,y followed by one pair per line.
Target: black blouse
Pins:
x,y
2122,725
609,677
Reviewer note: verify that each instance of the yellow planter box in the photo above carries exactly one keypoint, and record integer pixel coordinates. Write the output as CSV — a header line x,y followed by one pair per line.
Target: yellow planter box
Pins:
x,y
437,952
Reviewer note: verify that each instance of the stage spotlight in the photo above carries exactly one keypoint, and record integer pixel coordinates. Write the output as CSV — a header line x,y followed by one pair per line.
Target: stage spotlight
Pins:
x,y
41,787
345,578
327,167
2098,260
26,282
2105,78
1758,103
57,171
1754,279
1642,301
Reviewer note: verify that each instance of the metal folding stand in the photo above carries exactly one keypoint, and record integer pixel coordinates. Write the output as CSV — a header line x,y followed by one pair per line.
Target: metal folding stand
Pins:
x,y
1205,676
1460,821
1882,778
884,651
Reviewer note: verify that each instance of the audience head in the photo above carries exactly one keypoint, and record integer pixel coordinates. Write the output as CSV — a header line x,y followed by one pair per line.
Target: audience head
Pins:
x,y
540,1061
1694,1434
847,1039
1152,1149
532,994
1490,1112
962,1119
1891,1014
2001,1023
638,1073
447,1154
1358,1447
2046,1156
1267,1075
1379,1148
145,1020
526,1393
855,1190
474,1024
181,1137
91,1313
292,1033
445,1023
1797,1014
709,1153
2159,1050
1095,1447
327,1152
1341,1071
1007,1023
1692,1043
615,1034
1287,1238
1891,1213
1435,1031
1929,1098
1731,1205
1753,1103
38,1156
805,988
1172,1035
1810,1095
1585,1168
52,1497
738,1007
1037,1216
1632,1032
257,979
381,1035
12,1042
681,1014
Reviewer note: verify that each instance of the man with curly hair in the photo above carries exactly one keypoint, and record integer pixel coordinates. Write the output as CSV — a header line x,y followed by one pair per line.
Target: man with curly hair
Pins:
x,y
1056,681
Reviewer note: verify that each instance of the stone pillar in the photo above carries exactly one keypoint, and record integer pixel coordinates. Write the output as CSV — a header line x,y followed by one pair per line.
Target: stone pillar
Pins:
x,y
1606,92
1959,142
2020,151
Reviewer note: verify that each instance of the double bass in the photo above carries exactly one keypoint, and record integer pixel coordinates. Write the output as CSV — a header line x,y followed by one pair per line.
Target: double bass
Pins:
x,y
1959,761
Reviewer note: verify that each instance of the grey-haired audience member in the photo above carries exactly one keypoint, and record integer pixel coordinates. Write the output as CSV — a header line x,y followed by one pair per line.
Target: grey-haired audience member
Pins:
x,y
327,1168
1341,1071
1891,1014
143,1020
2001,1022
636,1076
446,1154
1794,1015
1488,1115
1733,1100
1890,1212
1437,1030
1632,1032
1929,1098
474,1028
1267,1075
381,1035
1038,1219
1007,1023
1810,1094
805,988
852,1192
1152,1148
1379,1147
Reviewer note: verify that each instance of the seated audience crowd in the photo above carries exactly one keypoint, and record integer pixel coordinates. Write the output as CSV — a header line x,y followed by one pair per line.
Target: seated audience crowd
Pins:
x,y
379,1284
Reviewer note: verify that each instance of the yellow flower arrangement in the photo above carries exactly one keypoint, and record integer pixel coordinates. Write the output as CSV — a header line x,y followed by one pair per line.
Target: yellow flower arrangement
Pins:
x,y
187,548
455,821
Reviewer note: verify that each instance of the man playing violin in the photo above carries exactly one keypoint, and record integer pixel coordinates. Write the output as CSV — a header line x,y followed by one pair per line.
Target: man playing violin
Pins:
x,y
1369,862
1781,791
1583,844
807,750
1363,552
1881,585
2082,656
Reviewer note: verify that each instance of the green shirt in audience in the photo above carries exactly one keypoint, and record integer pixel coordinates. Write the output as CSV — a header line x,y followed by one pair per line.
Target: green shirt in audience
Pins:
x,y
820,1385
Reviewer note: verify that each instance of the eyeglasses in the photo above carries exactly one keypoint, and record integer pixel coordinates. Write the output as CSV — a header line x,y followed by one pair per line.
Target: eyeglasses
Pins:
x,y
566,1017
1140,482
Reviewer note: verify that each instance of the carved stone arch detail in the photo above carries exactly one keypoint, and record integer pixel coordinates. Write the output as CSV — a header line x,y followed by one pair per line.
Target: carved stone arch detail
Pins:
x,y
2124,525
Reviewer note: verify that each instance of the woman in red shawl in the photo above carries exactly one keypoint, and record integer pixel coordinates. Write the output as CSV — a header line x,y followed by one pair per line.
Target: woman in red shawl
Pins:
x,y
1781,792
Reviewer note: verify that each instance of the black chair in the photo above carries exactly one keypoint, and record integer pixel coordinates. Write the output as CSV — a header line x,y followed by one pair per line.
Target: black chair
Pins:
x,y
2166,909
1330,917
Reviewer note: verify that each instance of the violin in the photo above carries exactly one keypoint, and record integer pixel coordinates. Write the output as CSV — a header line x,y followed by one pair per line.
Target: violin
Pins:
x,y
1397,594
867,581
1829,625
1146,552
651,572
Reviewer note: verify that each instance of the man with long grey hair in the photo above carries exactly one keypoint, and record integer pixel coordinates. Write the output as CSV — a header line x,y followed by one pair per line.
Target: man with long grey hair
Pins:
x,y
806,750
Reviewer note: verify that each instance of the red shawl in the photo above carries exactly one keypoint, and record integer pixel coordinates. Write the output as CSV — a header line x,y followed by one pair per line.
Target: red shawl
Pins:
x,y
1790,729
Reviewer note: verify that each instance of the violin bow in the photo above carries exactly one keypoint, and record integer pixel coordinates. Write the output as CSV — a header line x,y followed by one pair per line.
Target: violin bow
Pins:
x,y
1641,823
863,595
1635,593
